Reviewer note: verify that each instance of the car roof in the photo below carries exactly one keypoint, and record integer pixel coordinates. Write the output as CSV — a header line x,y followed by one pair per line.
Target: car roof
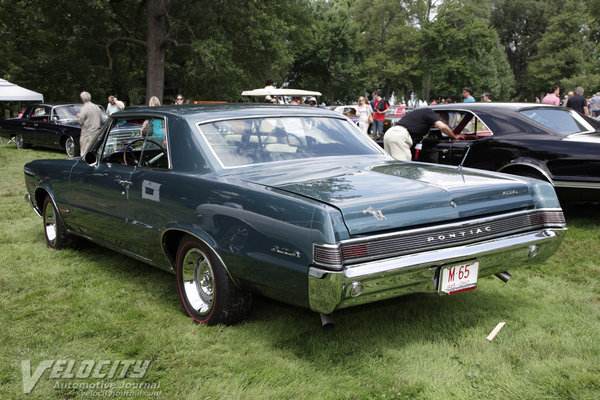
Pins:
x,y
208,112
493,107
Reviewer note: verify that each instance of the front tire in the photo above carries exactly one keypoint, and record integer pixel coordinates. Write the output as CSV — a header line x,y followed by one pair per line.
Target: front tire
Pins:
x,y
54,230
19,142
207,292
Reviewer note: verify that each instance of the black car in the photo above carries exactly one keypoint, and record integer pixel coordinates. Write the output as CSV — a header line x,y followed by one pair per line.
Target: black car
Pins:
x,y
552,143
46,125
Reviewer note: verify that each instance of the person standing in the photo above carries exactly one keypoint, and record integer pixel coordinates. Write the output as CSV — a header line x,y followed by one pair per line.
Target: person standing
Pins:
x,y
552,97
90,119
485,97
412,128
114,105
468,97
380,107
364,115
595,105
179,100
578,102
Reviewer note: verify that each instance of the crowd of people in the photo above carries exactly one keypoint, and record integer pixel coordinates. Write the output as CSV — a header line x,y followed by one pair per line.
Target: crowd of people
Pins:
x,y
371,114
589,106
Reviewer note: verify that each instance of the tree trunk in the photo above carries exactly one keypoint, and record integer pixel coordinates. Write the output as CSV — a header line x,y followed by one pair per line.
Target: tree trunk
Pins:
x,y
155,49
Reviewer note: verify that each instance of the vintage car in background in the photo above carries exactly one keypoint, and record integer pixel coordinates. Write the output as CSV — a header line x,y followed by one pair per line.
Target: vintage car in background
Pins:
x,y
350,111
46,125
291,202
396,113
551,143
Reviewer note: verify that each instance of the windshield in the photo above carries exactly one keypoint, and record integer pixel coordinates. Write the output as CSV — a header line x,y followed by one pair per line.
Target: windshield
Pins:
x,y
565,122
259,140
67,112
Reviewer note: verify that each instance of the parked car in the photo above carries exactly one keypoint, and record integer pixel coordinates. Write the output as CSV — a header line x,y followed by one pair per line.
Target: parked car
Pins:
x,y
46,125
350,111
551,143
396,113
291,202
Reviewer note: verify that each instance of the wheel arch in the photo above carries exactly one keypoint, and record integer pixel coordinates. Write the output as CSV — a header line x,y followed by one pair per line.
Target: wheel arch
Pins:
x,y
172,236
522,167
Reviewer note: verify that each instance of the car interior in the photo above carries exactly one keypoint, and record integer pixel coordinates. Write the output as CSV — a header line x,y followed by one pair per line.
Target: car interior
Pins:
x,y
126,145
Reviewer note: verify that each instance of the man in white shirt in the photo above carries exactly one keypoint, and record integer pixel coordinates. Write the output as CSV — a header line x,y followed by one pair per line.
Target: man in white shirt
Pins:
x,y
114,105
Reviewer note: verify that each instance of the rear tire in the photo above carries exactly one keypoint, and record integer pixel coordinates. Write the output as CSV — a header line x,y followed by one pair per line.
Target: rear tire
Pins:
x,y
54,230
70,147
207,292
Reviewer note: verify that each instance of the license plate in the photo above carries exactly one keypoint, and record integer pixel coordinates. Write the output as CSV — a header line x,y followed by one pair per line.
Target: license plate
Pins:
x,y
459,278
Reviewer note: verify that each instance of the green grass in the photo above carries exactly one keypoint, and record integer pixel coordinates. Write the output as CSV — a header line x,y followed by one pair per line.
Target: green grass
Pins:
x,y
94,304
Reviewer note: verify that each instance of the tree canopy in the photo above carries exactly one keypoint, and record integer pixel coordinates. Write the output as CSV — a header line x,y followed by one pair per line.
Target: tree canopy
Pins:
x,y
215,49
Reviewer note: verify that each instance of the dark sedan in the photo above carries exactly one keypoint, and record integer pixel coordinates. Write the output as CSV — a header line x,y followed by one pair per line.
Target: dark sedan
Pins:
x,y
46,125
290,202
551,143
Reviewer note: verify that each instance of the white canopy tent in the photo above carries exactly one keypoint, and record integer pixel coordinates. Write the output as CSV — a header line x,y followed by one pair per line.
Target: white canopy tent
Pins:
x,y
11,92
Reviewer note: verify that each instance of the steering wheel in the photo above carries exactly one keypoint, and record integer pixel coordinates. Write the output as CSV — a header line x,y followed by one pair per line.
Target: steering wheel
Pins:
x,y
136,162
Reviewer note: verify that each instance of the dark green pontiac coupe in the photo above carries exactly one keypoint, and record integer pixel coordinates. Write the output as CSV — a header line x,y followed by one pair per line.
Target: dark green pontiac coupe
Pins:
x,y
291,202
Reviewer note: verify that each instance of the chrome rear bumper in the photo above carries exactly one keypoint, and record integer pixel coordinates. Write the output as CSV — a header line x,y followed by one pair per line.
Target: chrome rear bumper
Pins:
x,y
393,277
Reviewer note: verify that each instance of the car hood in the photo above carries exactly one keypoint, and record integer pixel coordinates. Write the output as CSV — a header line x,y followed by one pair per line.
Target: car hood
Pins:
x,y
393,195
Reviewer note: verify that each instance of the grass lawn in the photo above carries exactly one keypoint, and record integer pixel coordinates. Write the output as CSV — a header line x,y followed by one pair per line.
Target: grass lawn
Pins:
x,y
94,304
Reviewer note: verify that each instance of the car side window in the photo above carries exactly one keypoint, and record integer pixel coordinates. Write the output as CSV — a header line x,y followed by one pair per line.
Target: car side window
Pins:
x,y
137,142
468,124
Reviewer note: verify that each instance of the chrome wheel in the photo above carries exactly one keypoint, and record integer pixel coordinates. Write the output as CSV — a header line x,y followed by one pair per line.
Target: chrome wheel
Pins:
x,y
70,147
50,224
198,280
19,141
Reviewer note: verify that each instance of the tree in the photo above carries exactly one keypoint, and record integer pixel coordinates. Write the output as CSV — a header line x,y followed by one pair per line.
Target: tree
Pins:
x,y
461,48
563,51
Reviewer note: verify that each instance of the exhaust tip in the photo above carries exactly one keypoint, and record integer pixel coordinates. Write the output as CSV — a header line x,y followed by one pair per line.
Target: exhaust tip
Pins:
x,y
327,322
504,276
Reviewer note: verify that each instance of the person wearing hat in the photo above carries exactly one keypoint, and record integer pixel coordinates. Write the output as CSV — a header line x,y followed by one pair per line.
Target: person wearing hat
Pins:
x,y
485,97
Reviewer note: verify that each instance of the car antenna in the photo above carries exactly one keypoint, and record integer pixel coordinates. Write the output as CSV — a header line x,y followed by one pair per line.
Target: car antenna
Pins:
x,y
460,166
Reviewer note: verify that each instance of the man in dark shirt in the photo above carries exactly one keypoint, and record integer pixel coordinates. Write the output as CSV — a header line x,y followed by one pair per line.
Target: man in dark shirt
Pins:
x,y
412,128
578,102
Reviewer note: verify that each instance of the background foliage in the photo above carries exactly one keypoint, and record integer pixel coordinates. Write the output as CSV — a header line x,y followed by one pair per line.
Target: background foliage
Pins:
x,y
214,49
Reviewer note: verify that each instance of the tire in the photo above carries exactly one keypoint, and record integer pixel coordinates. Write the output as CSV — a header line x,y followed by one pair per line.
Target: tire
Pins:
x,y
19,142
70,147
54,230
207,292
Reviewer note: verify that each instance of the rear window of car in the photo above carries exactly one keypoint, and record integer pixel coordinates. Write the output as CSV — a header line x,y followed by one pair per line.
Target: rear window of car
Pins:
x,y
564,122
240,142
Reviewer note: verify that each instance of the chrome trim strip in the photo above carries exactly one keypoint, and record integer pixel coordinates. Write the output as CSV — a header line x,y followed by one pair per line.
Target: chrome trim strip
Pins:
x,y
32,204
577,185
453,225
399,242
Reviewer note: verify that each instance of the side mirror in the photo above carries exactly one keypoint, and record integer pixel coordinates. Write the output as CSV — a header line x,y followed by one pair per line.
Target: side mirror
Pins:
x,y
90,158
55,119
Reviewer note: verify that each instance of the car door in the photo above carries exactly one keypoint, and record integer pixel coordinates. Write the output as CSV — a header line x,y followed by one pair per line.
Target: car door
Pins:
x,y
99,192
152,184
471,131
